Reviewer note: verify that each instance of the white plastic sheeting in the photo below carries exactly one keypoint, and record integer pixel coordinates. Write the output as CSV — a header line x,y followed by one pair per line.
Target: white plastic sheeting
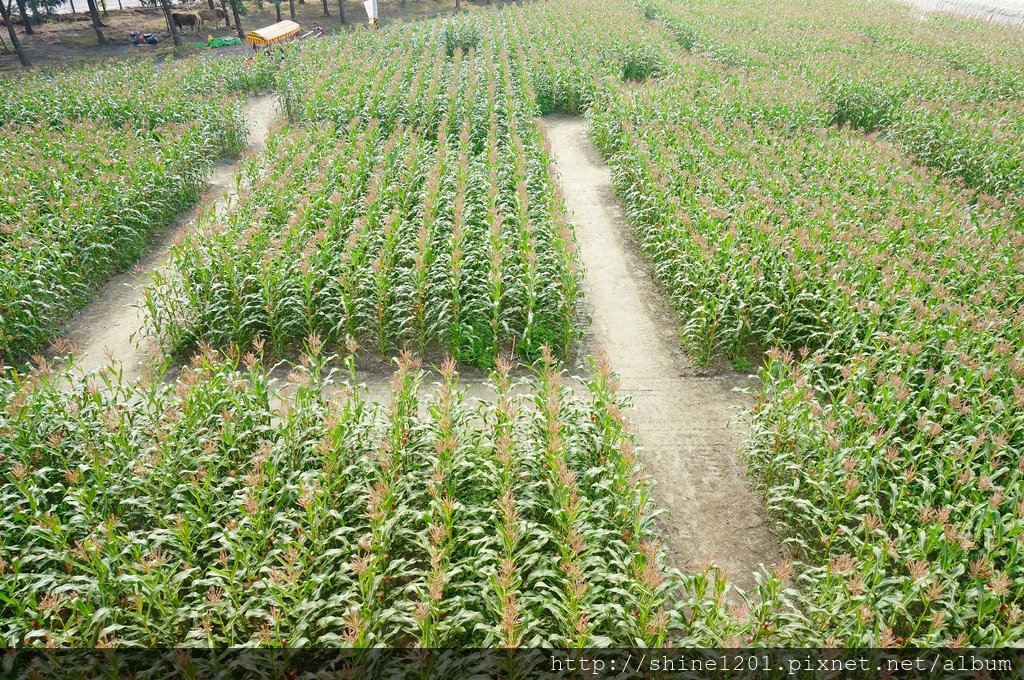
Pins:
x,y
1007,12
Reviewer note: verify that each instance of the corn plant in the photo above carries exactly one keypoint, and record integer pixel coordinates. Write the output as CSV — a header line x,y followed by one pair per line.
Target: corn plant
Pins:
x,y
976,144
874,67
834,182
136,95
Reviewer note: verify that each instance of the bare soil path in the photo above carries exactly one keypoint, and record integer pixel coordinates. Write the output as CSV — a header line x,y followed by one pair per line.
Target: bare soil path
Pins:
x,y
683,415
109,326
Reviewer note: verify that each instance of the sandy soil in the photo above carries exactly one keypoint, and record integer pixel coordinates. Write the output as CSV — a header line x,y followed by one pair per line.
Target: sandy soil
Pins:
x,y
373,378
110,326
685,417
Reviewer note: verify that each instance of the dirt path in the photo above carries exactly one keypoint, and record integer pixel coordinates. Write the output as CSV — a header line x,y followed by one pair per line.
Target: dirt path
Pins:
x,y
681,413
108,327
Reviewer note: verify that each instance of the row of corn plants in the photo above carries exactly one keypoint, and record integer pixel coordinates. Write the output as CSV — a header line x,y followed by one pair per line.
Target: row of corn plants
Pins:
x,y
137,94
413,205
978,144
694,172
710,187
521,522
859,44
948,97
556,55
214,510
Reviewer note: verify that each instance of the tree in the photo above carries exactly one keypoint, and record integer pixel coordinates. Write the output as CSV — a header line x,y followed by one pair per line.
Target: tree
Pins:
x,y
237,9
327,12
224,6
5,13
166,6
291,8
97,25
341,10
26,25
277,8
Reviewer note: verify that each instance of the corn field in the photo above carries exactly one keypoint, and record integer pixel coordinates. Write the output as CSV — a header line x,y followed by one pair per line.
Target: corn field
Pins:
x,y
77,205
219,512
887,436
89,174
412,208
831,193
135,94
412,217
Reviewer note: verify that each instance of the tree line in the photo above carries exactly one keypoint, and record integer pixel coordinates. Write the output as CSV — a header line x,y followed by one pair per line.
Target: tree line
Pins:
x,y
30,11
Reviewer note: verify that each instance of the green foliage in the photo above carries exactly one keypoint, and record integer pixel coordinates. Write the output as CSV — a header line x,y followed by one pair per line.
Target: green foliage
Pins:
x,y
767,167
877,70
216,511
862,105
649,8
460,34
978,144
77,205
690,36
887,437
39,8
136,95
640,61
418,215
95,160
